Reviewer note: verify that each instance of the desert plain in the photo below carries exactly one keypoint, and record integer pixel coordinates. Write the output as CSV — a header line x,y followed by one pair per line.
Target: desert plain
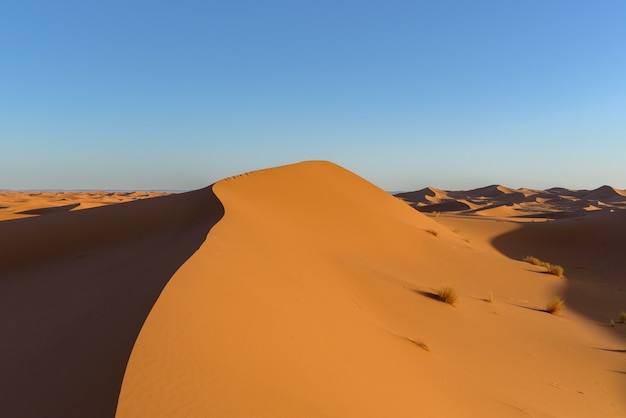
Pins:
x,y
307,291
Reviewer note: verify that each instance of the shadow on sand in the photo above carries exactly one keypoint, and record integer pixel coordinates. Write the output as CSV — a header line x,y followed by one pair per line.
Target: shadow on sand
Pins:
x,y
426,294
49,210
591,251
75,290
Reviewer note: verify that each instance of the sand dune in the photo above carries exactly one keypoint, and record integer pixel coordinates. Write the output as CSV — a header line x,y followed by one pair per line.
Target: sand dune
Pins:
x,y
270,317
306,291
75,290
502,210
606,193
492,191
429,194
15,205
556,202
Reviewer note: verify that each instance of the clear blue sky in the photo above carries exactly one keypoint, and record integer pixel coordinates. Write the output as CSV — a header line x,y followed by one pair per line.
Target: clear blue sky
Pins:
x,y
179,94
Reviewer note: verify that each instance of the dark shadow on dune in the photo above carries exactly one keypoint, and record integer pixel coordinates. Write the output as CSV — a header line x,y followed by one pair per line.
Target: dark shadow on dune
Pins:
x,y
554,215
429,295
419,344
446,206
610,350
530,308
75,290
590,251
542,273
49,210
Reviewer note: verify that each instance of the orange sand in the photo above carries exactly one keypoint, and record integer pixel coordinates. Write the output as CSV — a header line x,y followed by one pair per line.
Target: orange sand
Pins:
x,y
15,205
306,291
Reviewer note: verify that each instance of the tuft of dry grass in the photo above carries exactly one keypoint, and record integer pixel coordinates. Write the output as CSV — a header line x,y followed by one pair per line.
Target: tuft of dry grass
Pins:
x,y
432,232
555,305
612,324
554,269
532,260
622,317
448,295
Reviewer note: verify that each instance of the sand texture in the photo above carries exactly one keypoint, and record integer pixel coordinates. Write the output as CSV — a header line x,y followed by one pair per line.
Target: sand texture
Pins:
x,y
305,291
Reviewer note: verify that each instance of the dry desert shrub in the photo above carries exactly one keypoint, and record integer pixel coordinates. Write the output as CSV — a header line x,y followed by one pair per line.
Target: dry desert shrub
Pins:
x,y
555,305
555,269
448,295
551,268
432,232
533,260
622,317
612,324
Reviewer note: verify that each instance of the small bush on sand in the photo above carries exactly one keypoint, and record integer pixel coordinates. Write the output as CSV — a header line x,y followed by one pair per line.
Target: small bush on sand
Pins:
x,y
622,317
432,232
555,305
448,295
555,269
612,324
551,268
532,260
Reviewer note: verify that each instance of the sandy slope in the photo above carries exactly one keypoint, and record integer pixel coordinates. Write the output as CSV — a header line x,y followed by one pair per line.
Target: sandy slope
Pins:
x,y
75,289
313,297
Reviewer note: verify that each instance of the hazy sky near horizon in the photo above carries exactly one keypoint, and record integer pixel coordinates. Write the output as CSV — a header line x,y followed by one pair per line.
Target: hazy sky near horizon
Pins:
x,y
179,94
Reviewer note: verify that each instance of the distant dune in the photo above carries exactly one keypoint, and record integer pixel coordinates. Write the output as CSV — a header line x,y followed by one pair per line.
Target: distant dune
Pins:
x,y
556,202
304,290
15,205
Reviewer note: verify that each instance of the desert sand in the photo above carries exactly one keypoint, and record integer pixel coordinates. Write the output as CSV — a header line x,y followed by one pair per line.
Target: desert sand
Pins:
x,y
15,205
306,291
